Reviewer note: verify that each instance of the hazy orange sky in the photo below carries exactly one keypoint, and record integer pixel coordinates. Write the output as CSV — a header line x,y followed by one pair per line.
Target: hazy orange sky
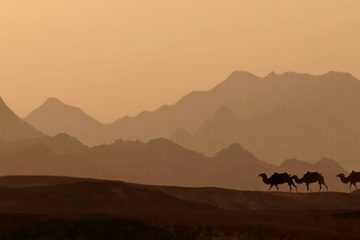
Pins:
x,y
118,57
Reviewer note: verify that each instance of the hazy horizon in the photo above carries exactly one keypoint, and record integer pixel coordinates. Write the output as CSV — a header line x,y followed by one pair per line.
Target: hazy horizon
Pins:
x,y
117,58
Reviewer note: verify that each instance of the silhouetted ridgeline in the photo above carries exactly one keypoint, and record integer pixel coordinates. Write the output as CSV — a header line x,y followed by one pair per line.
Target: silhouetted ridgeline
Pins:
x,y
276,117
284,116
159,161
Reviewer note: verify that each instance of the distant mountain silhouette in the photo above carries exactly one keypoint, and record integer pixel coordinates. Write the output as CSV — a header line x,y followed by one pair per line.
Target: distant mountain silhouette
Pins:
x,y
12,127
222,130
39,160
54,117
61,143
285,116
276,117
188,113
159,161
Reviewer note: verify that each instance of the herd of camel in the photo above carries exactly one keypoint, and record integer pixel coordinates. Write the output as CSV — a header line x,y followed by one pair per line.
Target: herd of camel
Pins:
x,y
308,178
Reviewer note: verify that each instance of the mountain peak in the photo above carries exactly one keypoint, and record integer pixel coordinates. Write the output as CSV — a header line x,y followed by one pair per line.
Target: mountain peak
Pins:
x,y
164,142
327,162
291,74
241,74
53,105
236,152
54,102
339,75
54,108
54,116
236,77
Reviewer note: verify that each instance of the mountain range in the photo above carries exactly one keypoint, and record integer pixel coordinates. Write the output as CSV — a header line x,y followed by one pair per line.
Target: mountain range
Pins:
x,y
285,116
280,116
157,162
276,117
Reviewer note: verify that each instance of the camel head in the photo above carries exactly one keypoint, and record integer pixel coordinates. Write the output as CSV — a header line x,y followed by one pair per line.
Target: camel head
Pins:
x,y
263,175
343,178
264,178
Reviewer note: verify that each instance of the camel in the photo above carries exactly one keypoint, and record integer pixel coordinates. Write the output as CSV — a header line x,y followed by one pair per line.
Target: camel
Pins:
x,y
311,177
278,178
353,178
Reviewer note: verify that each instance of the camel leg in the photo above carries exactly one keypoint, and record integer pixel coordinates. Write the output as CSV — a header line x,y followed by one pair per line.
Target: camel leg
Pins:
x,y
320,186
277,188
355,185
295,186
291,184
307,187
270,187
327,188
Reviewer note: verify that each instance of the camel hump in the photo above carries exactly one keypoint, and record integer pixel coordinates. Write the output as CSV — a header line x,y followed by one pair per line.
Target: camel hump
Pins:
x,y
276,174
308,173
280,174
354,174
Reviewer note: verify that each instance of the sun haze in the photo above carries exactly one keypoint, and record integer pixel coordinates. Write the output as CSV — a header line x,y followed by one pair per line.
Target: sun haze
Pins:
x,y
114,58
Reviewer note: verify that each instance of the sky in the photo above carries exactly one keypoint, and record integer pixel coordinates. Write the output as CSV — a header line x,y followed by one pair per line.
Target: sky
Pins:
x,y
114,58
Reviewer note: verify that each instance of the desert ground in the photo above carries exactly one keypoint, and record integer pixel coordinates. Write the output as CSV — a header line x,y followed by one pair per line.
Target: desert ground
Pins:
x,y
45,207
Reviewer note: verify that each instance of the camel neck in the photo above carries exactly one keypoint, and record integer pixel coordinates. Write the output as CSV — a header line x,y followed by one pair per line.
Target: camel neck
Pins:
x,y
299,180
344,179
265,179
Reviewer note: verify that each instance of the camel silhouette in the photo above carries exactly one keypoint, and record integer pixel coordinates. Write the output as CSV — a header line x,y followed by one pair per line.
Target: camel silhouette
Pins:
x,y
278,178
353,178
311,177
